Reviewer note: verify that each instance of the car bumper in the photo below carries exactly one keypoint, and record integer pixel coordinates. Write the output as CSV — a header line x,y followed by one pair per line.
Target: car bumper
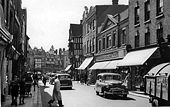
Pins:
x,y
117,92
66,86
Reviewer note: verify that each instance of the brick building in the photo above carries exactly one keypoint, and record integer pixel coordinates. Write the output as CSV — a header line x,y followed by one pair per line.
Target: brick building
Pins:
x,y
148,32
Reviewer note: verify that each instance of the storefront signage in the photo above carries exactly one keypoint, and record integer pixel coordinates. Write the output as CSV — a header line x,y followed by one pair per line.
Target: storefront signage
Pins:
x,y
112,55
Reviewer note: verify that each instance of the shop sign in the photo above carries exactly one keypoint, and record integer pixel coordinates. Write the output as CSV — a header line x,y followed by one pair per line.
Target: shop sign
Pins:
x,y
112,55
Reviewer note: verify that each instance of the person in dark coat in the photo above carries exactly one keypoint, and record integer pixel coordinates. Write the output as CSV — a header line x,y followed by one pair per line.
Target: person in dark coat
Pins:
x,y
14,88
35,80
22,90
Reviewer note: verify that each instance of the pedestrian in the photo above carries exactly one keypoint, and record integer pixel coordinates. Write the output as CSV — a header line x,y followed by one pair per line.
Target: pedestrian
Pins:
x,y
22,90
56,96
14,88
44,80
35,80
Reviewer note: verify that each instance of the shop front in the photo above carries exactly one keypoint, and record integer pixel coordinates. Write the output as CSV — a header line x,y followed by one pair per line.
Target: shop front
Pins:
x,y
5,39
138,63
83,69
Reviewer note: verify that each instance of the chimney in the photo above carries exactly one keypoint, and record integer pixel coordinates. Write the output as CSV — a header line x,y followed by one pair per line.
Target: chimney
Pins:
x,y
115,2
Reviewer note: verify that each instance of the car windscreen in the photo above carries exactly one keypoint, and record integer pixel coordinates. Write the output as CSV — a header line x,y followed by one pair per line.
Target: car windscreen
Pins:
x,y
64,77
111,77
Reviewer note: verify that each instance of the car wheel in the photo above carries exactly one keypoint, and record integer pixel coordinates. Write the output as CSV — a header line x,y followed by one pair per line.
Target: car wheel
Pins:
x,y
105,94
97,93
125,96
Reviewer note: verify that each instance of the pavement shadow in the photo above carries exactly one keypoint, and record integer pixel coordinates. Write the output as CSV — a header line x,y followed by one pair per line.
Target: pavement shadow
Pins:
x,y
66,89
117,97
45,97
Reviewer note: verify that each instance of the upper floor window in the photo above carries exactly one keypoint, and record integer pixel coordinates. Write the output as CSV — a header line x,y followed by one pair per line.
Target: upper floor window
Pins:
x,y
87,46
160,33
94,24
90,45
100,45
147,37
147,10
137,39
113,39
93,42
123,35
104,43
159,7
108,41
137,13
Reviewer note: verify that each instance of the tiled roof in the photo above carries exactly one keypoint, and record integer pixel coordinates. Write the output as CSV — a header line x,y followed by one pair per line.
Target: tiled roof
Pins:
x,y
76,29
111,9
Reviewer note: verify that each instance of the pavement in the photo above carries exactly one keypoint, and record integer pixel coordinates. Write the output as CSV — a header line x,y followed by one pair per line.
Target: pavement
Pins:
x,y
30,101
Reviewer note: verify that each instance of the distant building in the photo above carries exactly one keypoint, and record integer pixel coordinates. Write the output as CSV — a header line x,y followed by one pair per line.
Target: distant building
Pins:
x,y
75,48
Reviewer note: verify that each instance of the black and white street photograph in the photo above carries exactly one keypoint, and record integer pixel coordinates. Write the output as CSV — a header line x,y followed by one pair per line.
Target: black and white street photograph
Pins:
x,y
85,53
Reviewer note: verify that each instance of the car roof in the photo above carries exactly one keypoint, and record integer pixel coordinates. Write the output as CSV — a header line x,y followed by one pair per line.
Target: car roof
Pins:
x,y
63,74
102,74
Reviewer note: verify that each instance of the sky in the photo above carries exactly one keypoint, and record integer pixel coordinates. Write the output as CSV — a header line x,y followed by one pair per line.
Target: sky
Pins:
x,y
48,21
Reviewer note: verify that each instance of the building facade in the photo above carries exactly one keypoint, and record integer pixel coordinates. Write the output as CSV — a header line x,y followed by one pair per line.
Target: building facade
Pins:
x,y
14,53
94,42
75,48
148,33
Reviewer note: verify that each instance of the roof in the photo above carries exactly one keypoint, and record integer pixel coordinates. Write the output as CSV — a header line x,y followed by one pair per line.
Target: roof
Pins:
x,y
111,9
76,30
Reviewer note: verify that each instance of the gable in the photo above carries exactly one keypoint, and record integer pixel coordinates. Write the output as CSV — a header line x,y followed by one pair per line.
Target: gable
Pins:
x,y
108,25
109,22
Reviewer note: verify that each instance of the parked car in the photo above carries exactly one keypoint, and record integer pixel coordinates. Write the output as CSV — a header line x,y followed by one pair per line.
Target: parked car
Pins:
x,y
110,84
65,80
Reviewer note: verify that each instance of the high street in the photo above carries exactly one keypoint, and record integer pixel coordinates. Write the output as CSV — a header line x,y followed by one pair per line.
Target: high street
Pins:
x,y
85,96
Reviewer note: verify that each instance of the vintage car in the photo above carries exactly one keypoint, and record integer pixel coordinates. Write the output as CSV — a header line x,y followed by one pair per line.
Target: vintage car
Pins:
x,y
65,80
110,84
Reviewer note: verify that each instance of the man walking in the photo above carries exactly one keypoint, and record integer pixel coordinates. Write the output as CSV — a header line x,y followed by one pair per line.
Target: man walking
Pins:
x,y
35,80
22,90
56,92
14,86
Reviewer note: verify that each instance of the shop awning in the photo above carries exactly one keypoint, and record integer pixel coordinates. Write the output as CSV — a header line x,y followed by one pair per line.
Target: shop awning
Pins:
x,y
165,70
138,57
5,35
156,69
100,65
85,63
113,64
68,67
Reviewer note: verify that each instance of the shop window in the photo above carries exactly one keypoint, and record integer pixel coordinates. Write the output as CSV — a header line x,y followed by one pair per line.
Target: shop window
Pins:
x,y
147,10
137,39
137,13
